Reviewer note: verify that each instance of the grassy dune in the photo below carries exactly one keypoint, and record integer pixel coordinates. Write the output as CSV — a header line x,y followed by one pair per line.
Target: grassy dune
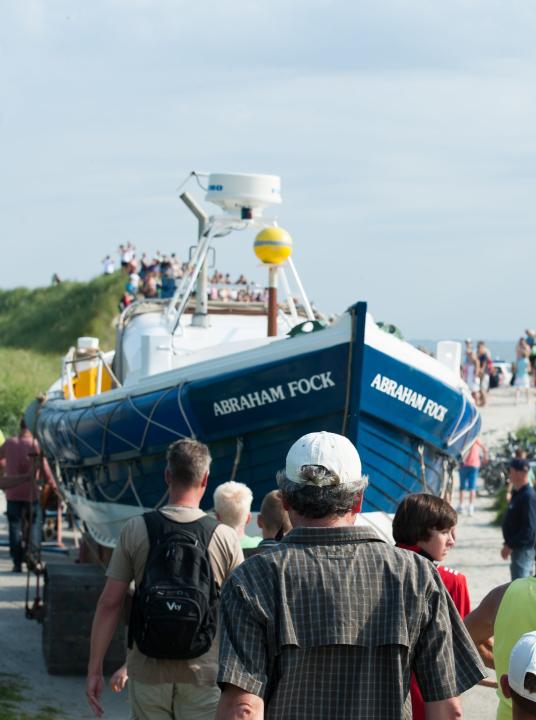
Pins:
x,y
50,319
38,326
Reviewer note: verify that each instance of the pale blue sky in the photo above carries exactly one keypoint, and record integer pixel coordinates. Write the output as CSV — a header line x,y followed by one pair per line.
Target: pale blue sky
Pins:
x,y
404,133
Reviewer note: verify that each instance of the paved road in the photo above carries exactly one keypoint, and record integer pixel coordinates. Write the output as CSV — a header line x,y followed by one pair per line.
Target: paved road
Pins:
x,y
21,654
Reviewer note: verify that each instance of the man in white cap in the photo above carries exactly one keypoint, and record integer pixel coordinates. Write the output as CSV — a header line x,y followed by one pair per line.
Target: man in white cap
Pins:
x,y
331,621
520,683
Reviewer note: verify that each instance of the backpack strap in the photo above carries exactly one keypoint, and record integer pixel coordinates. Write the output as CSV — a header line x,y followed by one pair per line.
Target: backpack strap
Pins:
x,y
155,523
204,529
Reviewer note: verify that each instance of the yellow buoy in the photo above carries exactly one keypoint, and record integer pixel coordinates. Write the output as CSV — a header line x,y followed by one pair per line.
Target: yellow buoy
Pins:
x,y
273,246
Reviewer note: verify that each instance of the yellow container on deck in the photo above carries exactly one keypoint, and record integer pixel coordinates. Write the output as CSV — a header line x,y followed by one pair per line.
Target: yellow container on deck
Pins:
x,y
84,368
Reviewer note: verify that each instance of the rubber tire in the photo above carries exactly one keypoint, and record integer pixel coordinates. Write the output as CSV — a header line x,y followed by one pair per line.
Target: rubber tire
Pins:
x,y
71,594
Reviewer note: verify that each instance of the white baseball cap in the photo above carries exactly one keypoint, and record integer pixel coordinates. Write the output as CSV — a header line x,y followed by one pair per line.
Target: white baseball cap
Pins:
x,y
334,452
522,661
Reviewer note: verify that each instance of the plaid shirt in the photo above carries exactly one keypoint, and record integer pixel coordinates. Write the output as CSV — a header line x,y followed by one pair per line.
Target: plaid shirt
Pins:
x,y
332,621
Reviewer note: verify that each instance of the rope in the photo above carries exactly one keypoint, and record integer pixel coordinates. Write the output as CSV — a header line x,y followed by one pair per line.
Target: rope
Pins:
x,y
153,422
238,455
104,426
149,417
108,497
184,416
420,450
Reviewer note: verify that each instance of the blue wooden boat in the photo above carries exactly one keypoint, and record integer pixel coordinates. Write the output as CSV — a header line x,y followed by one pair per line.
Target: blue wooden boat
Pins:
x,y
249,397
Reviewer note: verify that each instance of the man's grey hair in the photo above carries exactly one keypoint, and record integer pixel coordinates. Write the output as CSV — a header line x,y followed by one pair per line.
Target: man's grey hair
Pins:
x,y
320,493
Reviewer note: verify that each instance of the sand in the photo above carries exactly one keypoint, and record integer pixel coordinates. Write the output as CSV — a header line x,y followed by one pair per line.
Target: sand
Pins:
x,y
476,555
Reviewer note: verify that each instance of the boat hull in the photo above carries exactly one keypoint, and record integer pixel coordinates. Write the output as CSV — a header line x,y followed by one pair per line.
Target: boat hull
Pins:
x,y
408,426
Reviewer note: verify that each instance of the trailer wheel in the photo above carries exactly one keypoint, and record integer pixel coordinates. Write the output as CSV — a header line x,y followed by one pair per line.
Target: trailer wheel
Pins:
x,y
71,594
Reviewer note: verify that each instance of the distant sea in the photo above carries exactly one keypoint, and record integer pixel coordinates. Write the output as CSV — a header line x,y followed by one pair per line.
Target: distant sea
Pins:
x,y
499,349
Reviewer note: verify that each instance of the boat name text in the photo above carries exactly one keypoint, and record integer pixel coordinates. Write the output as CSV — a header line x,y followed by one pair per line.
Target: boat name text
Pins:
x,y
409,397
291,389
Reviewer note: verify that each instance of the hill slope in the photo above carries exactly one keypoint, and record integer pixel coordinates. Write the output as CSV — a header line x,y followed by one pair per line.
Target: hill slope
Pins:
x,y
50,319
38,326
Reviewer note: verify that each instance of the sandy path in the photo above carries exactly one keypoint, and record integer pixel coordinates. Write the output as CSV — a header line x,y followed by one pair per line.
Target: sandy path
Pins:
x,y
476,555
478,542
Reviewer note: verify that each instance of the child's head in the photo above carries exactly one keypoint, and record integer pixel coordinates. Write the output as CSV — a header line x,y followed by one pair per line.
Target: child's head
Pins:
x,y
272,517
426,521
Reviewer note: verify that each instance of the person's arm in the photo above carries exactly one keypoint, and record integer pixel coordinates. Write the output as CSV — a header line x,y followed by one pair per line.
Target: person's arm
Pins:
x,y
107,615
237,704
446,663
481,621
449,709
243,662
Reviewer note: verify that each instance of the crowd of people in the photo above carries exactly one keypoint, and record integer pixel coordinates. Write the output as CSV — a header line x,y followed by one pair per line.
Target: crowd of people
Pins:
x,y
480,374
323,618
159,277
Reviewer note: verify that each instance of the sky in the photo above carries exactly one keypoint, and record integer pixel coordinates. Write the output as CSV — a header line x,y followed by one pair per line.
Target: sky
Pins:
x,y
403,131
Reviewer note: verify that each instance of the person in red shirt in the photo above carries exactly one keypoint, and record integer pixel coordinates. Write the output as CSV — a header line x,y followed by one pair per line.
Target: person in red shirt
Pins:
x,y
19,455
426,524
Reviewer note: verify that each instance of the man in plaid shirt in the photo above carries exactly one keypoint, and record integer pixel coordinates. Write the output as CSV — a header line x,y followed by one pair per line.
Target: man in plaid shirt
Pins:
x,y
331,622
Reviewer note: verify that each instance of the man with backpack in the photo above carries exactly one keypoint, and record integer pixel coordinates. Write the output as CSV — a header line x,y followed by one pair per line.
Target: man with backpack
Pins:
x,y
179,558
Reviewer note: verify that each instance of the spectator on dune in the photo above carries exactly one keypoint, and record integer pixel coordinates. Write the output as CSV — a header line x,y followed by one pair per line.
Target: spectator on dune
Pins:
x,y
108,265
150,286
426,524
126,253
144,265
133,284
331,622
175,265
126,300
167,282
232,505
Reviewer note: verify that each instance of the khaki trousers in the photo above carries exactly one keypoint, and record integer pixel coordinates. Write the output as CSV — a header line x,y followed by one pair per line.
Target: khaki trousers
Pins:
x,y
172,701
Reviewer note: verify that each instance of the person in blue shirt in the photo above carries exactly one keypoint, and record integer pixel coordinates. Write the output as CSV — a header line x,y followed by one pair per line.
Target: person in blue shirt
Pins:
x,y
519,524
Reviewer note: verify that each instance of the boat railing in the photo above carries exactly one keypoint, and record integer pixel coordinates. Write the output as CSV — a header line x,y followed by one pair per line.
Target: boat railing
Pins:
x,y
87,374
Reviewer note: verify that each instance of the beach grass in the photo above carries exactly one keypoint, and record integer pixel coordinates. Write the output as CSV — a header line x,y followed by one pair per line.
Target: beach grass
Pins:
x,y
526,436
23,375
38,326
49,319
13,694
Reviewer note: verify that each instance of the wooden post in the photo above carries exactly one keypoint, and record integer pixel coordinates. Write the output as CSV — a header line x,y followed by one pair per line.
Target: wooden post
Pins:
x,y
272,301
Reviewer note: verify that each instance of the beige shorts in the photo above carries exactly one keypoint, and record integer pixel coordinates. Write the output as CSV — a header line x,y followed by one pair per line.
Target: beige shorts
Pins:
x,y
172,701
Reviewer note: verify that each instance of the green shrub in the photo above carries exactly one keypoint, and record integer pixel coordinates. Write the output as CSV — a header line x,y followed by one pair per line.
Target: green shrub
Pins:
x,y
23,375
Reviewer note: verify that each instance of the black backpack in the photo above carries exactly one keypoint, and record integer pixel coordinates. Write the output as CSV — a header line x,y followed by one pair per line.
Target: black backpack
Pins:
x,y
175,608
